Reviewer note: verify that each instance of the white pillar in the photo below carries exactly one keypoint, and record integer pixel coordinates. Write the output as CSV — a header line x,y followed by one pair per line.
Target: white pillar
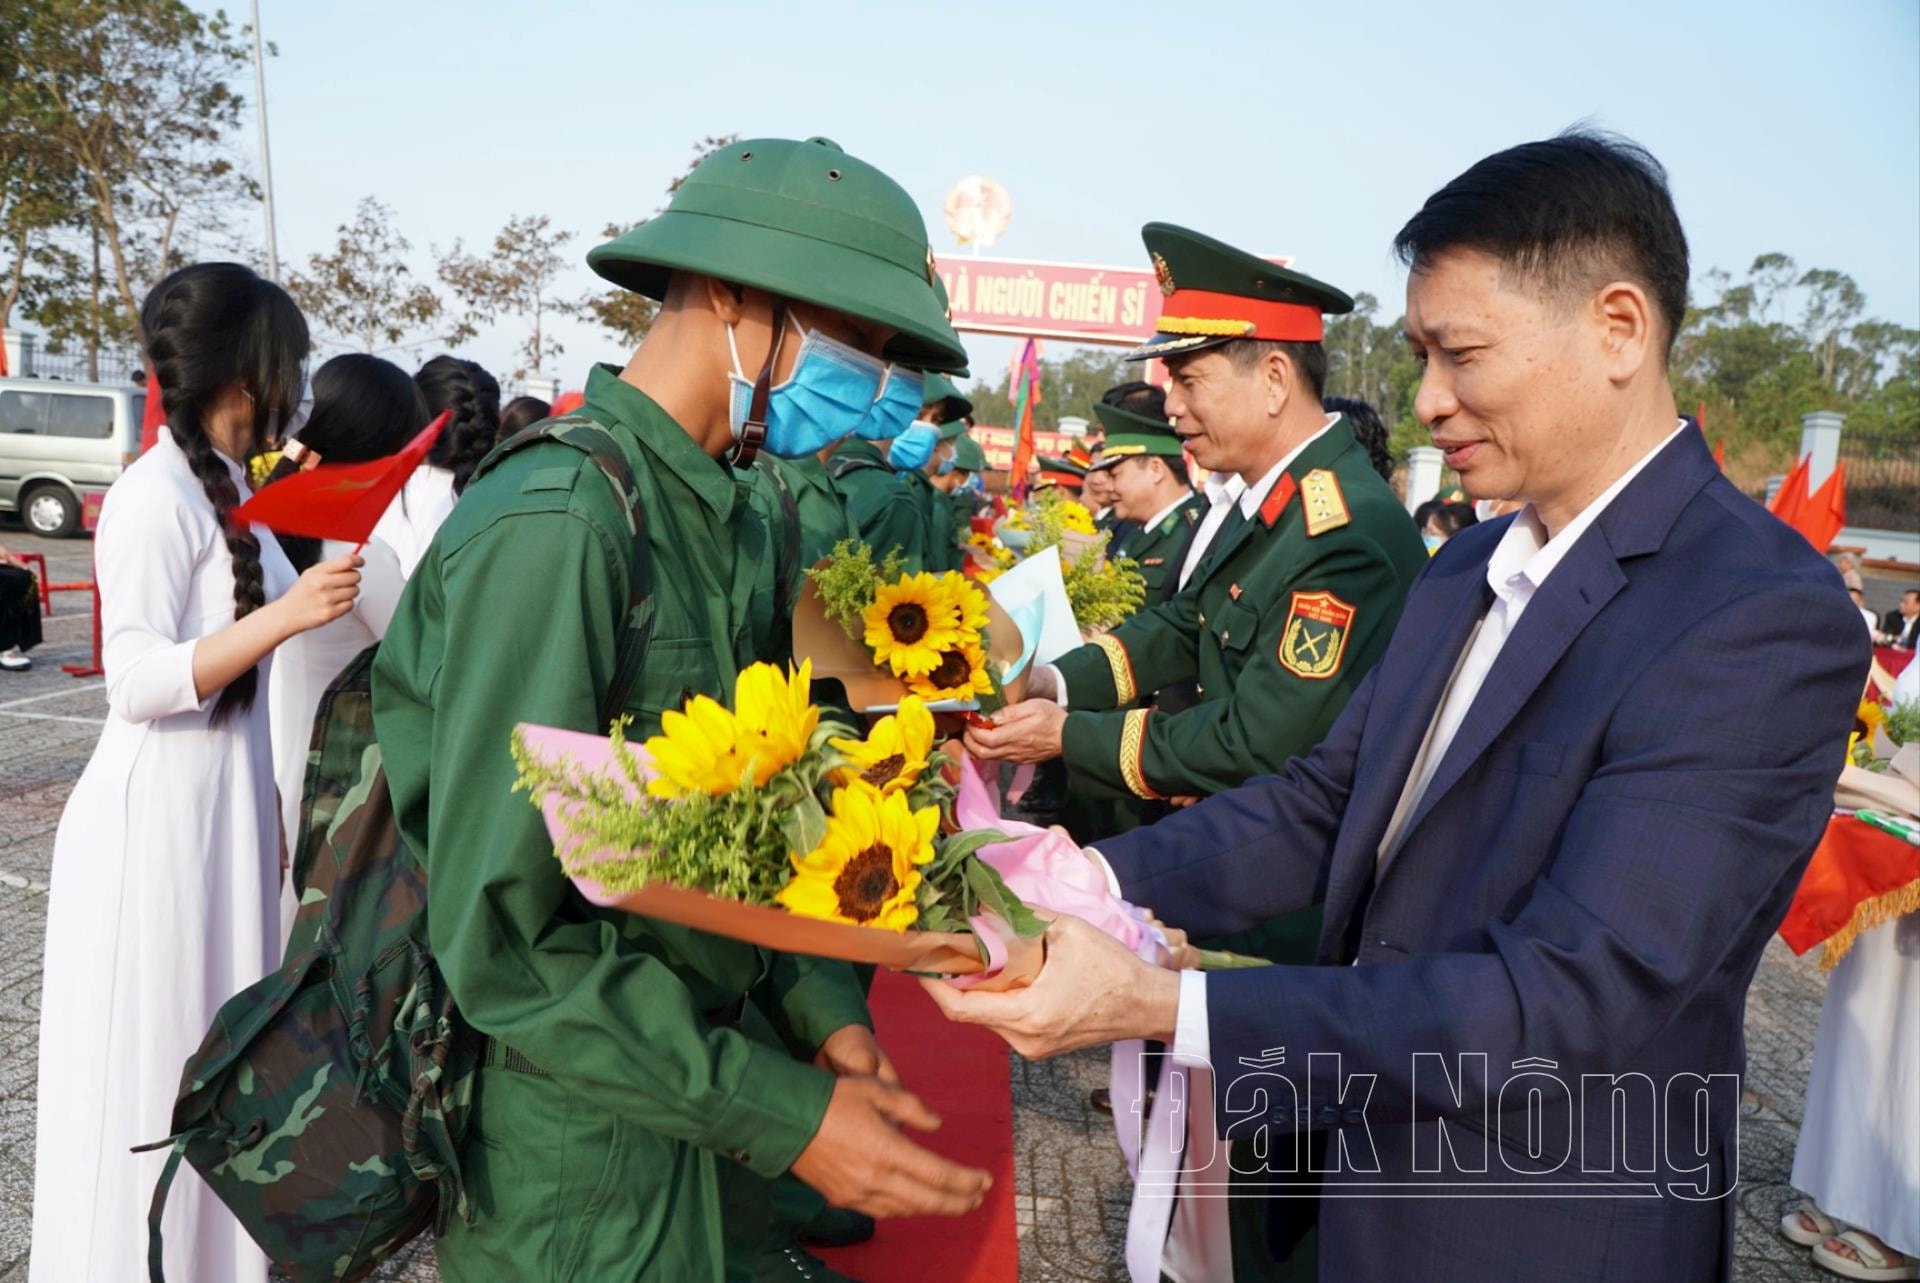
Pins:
x,y
1820,444
1423,474
19,353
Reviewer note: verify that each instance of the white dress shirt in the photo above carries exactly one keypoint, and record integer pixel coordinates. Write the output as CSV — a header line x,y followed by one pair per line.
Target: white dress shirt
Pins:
x,y
1519,566
1221,495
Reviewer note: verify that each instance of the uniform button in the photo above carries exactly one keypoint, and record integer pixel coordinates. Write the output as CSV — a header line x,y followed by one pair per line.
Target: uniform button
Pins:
x,y
1203,621
1226,636
1198,689
740,1156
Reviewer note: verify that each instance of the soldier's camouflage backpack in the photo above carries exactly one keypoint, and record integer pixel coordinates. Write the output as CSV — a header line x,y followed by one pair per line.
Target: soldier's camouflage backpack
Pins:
x,y
327,1105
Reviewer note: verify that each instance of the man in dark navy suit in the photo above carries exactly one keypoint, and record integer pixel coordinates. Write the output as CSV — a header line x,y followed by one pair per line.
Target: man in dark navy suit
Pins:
x,y
1553,829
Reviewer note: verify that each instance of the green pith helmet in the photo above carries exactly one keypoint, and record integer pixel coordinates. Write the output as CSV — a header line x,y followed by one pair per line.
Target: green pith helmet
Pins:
x,y
968,456
1130,434
803,220
1215,294
942,392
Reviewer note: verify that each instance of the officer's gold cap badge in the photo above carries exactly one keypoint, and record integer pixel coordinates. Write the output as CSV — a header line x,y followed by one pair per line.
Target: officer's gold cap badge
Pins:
x,y
1315,637
1163,274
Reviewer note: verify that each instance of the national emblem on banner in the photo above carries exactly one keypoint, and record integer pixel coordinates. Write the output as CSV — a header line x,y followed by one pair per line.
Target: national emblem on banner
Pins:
x,y
1315,638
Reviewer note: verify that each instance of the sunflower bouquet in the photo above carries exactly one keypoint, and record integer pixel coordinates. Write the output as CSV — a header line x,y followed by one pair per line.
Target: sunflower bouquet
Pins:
x,y
886,634
765,823
1103,591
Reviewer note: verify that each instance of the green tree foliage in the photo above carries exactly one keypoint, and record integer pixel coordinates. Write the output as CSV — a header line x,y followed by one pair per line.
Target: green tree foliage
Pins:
x,y
1070,386
132,99
516,279
363,294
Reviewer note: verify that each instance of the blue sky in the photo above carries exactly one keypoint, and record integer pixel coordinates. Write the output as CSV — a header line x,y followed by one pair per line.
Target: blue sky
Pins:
x,y
1310,130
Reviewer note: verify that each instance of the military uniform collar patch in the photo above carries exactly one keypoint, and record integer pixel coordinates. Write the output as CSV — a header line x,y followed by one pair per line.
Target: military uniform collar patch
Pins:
x,y
1277,499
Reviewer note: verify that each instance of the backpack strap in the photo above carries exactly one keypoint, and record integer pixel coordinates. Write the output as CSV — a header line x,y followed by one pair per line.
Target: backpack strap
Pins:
x,y
842,464
595,440
786,558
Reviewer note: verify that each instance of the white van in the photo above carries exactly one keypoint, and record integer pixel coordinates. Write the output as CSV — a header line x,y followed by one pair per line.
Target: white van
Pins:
x,y
61,445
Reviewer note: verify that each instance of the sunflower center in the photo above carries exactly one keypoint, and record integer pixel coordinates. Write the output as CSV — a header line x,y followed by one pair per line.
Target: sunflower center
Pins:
x,y
866,884
954,671
907,622
885,771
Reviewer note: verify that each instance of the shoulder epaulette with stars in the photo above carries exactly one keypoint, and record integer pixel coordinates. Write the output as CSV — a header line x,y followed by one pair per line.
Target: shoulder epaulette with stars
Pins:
x,y
1326,506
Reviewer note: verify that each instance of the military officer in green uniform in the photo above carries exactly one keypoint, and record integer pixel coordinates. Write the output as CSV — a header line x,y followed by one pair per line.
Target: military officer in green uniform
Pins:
x,y
1054,471
1293,602
1299,579
1142,456
634,1103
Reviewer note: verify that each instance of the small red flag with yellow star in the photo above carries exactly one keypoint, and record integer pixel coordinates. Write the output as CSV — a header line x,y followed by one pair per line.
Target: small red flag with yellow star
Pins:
x,y
339,500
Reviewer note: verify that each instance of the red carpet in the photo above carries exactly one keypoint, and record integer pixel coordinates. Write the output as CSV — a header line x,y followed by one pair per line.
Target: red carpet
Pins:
x,y
961,1072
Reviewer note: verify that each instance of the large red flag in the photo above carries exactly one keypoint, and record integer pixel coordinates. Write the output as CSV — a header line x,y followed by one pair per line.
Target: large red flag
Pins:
x,y
339,500
1826,511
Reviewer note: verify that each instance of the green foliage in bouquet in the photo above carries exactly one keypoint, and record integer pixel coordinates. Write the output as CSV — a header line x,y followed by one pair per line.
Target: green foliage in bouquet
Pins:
x,y
848,580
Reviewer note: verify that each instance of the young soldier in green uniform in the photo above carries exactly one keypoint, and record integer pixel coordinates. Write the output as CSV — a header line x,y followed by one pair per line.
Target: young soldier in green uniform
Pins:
x,y
631,1091
878,501
969,461
1153,491
1289,608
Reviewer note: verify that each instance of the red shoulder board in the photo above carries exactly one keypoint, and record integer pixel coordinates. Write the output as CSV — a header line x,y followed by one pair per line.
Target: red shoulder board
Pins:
x,y
1277,501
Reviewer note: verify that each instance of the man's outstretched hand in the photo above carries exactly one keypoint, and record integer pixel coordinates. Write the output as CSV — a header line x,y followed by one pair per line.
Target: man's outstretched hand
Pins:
x,y
1092,990
860,1160
1025,732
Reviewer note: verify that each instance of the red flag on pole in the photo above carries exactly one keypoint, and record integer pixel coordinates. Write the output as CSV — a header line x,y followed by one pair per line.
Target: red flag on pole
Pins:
x,y
1027,389
1826,511
153,417
1791,498
339,500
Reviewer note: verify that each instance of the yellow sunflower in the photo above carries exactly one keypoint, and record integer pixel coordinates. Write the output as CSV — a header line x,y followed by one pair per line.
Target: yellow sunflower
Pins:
x,y
703,748
1075,517
910,623
960,674
775,715
867,868
968,600
894,753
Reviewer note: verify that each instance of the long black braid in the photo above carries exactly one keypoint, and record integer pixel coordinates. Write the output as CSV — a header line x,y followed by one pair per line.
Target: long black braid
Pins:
x,y
473,396
207,328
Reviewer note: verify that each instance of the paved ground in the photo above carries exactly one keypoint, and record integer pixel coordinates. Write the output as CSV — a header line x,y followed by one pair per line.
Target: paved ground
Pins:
x,y
1071,1188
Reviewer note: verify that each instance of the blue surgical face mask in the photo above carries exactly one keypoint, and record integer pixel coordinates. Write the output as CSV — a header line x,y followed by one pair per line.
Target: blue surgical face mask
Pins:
x,y
828,395
1433,542
894,408
912,448
946,466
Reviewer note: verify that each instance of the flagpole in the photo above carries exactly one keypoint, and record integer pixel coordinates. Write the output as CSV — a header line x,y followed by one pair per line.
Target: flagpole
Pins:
x,y
266,154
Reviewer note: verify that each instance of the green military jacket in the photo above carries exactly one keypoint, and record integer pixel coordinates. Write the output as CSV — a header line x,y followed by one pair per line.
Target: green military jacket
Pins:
x,y
797,502
1278,625
882,509
965,504
939,550
632,1025
1158,551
